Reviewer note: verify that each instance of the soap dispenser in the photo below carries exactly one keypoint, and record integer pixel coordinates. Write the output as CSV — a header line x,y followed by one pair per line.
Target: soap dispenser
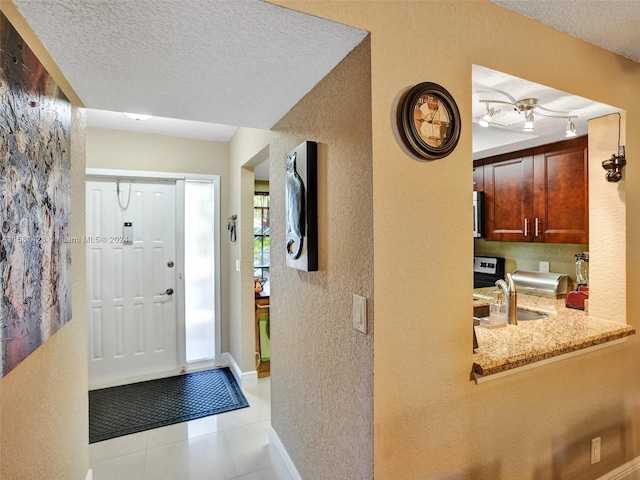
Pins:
x,y
498,311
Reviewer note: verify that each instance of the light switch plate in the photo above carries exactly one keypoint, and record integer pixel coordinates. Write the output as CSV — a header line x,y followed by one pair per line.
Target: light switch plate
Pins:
x,y
544,267
360,313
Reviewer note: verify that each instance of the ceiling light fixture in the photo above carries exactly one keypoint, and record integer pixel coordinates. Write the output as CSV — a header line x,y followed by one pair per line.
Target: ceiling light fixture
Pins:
x,y
486,119
138,116
529,107
528,122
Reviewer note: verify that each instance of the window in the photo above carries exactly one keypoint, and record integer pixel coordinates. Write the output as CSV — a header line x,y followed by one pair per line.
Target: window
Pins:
x,y
261,238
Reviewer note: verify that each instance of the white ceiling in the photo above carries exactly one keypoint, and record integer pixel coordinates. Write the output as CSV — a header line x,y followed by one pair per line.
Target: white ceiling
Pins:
x,y
204,67
505,133
609,24
235,63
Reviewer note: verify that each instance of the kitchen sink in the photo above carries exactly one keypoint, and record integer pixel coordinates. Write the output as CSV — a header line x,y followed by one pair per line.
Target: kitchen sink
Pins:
x,y
524,315
482,314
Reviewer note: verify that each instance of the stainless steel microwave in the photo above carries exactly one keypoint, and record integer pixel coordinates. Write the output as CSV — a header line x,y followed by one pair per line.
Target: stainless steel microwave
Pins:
x,y
478,214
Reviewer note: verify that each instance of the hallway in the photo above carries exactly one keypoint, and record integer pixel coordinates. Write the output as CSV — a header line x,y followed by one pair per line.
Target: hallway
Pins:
x,y
229,446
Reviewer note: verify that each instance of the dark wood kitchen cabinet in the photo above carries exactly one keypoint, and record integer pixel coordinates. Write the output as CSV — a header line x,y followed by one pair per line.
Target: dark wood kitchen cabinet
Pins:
x,y
538,195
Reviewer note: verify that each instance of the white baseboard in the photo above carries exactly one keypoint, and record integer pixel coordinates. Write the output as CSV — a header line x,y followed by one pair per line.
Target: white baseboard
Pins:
x,y
245,379
624,471
621,473
89,475
282,454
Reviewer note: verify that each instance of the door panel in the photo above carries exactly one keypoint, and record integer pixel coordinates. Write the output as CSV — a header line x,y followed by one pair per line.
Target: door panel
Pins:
x,y
508,200
132,328
562,183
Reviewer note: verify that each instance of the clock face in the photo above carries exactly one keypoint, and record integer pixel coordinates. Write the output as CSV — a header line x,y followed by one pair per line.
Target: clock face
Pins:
x,y
429,121
432,120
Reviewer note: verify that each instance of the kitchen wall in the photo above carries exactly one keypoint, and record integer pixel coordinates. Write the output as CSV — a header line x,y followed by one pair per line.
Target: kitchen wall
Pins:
x,y
430,420
526,256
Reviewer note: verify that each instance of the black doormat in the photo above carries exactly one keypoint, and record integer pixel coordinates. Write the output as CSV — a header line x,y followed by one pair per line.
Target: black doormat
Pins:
x,y
137,407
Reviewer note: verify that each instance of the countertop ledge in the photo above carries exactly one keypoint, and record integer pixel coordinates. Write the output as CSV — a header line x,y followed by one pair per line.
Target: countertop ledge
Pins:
x,y
565,331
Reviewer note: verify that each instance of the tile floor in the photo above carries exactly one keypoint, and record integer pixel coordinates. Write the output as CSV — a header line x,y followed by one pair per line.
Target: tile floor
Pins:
x,y
229,446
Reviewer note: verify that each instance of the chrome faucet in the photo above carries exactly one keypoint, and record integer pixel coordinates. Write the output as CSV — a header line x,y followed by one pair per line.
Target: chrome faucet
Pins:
x,y
510,295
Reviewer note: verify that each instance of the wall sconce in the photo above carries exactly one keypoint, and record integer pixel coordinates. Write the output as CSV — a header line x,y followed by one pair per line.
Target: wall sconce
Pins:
x,y
616,163
614,166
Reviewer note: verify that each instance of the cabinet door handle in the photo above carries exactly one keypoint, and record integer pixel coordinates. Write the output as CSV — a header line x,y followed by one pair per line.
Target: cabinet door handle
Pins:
x,y
526,227
537,228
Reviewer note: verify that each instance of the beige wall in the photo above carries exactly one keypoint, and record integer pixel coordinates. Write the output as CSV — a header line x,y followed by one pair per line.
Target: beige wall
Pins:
x,y
44,410
114,149
44,399
430,420
248,148
607,297
322,369
156,153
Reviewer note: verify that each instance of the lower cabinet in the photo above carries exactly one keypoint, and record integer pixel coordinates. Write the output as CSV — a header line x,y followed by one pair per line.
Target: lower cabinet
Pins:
x,y
538,195
263,337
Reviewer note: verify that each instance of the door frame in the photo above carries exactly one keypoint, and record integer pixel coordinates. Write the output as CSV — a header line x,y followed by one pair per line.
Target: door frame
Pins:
x,y
180,178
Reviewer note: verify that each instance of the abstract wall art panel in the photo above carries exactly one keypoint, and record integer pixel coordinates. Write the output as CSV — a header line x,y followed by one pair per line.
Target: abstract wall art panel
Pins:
x,y
301,207
35,257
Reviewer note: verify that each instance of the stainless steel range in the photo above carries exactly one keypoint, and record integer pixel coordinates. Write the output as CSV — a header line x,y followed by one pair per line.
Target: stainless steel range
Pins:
x,y
487,270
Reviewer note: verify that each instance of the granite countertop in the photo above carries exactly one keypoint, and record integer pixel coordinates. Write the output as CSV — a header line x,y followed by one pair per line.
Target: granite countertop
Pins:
x,y
483,296
565,330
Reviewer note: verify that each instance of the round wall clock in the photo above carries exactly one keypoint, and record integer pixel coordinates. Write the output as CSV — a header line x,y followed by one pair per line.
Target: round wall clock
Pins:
x,y
429,121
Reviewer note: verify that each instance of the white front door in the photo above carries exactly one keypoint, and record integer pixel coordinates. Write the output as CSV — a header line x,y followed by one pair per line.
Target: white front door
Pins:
x,y
131,281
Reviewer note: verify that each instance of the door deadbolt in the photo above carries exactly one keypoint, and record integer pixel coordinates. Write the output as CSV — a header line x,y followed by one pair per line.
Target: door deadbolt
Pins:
x,y
168,291
170,264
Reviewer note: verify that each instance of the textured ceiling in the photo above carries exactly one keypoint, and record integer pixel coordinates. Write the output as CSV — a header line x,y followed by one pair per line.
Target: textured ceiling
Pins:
x,y
610,24
207,66
240,63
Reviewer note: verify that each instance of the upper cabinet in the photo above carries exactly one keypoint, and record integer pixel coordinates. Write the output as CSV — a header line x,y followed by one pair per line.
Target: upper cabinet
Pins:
x,y
537,195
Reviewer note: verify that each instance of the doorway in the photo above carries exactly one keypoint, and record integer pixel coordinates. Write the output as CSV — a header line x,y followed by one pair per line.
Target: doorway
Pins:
x,y
153,276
